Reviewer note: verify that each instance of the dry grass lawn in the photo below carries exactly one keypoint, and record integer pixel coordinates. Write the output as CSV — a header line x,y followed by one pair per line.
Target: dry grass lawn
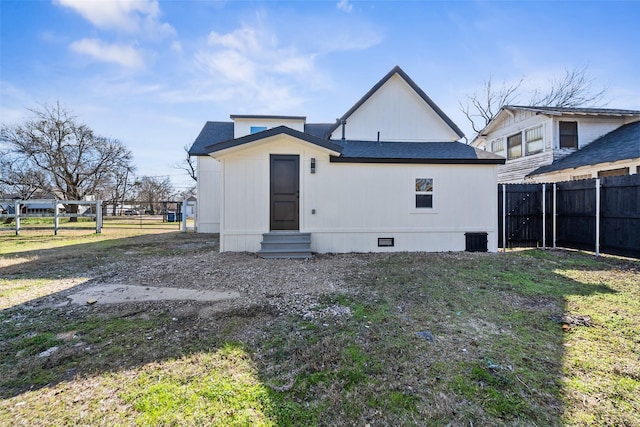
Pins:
x,y
544,338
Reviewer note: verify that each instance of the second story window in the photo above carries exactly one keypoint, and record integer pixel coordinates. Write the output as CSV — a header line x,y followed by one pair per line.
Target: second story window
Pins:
x,y
568,134
497,146
514,146
534,140
256,129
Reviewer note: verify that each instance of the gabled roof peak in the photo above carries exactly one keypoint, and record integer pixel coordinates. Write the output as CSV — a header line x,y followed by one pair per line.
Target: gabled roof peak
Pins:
x,y
400,72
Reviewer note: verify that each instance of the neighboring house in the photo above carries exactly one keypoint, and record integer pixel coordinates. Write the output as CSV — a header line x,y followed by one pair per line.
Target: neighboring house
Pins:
x,y
389,175
41,204
616,153
531,138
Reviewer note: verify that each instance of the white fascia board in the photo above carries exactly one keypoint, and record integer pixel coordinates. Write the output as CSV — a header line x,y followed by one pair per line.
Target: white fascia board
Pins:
x,y
267,140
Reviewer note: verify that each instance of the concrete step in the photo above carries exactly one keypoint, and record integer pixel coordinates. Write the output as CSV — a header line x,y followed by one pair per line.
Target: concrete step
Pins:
x,y
285,244
286,236
294,246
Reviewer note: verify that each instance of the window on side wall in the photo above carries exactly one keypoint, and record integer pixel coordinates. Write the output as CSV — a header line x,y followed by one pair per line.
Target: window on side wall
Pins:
x,y
534,140
514,146
568,134
497,147
256,129
424,193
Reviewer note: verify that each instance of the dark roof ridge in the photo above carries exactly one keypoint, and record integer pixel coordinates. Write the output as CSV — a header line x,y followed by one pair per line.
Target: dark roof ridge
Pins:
x,y
413,85
267,116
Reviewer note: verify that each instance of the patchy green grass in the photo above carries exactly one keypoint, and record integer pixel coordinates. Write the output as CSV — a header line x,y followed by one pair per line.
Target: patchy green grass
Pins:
x,y
414,339
36,263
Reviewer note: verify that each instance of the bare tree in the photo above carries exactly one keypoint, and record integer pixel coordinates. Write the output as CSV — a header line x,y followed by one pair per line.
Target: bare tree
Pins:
x,y
74,161
188,164
118,188
151,191
576,88
481,108
18,178
186,193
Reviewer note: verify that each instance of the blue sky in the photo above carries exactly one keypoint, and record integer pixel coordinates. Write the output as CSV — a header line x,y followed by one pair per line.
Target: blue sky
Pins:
x,y
150,73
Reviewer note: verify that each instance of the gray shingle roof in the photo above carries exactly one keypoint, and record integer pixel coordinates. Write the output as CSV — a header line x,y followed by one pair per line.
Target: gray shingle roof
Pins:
x,y
211,133
318,129
620,144
216,136
447,152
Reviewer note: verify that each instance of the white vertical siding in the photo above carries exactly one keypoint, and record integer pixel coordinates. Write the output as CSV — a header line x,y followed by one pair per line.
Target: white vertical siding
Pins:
x,y
208,187
246,190
358,203
355,203
399,114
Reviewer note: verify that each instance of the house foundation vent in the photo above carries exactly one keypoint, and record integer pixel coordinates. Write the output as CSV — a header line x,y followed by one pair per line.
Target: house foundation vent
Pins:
x,y
385,242
475,242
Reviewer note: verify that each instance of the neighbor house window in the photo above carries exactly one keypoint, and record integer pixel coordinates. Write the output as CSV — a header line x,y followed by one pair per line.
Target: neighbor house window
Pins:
x,y
534,141
256,129
424,193
579,177
613,172
568,134
497,147
514,146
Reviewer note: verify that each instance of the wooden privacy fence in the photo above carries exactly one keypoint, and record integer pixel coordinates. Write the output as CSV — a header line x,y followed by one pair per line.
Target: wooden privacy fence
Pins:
x,y
600,215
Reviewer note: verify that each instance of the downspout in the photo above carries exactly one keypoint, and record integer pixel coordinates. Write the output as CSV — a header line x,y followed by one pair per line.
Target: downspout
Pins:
x,y
343,122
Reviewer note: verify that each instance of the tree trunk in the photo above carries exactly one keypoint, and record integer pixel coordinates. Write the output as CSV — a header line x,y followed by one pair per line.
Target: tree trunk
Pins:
x,y
73,209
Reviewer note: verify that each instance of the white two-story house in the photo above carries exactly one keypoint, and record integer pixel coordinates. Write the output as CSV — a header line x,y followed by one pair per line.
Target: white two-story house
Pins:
x,y
541,144
389,175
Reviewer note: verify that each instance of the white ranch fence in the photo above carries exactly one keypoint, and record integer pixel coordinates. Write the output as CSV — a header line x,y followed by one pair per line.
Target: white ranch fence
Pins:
x,y
41,208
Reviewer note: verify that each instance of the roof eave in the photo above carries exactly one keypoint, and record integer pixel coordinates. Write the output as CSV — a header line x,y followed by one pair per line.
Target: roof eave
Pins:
x,y
430,161
226,146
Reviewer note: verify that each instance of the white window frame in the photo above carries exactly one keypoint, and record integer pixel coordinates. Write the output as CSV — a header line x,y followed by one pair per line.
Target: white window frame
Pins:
x,y
415,192
509,156
503,151
536,132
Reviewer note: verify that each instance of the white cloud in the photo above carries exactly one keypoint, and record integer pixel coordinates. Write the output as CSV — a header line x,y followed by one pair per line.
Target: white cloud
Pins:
x,y
243,39
345,6
131,16
124,55
176,46
251,70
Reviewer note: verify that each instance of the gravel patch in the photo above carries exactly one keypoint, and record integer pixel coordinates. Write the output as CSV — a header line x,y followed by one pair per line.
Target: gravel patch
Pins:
x,y
237,281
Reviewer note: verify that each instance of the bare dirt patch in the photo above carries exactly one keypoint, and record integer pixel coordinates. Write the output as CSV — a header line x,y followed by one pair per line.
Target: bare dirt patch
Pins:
x,y
171,271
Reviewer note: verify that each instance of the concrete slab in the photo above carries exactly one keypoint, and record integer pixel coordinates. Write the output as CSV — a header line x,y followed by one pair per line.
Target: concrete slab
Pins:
x,y
115,294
